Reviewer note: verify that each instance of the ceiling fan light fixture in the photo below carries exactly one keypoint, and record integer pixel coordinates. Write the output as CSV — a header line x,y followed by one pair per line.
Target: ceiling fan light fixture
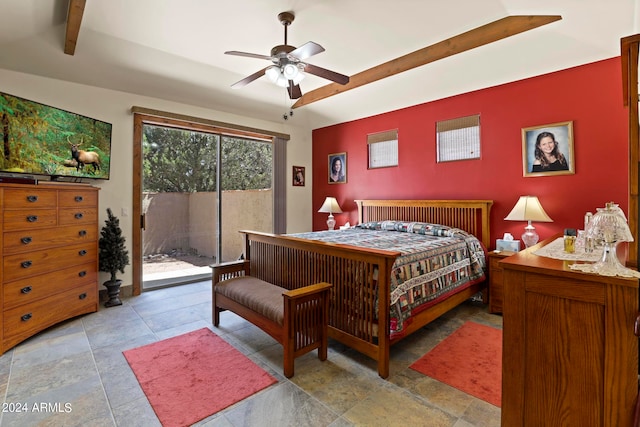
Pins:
x,y
293,72
275,75
298,78
281,76
272,73
290,71
282,81
299,74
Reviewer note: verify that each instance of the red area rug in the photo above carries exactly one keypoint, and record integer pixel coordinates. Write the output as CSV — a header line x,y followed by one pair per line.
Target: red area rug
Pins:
x,y
470,359
192,376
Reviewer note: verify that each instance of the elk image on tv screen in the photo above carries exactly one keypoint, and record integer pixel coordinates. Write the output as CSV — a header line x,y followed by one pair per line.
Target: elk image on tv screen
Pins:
x,y
40,140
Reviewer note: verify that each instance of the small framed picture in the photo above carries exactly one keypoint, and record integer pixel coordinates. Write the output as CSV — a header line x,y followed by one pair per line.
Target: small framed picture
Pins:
x,y
298,176
548,150
338,168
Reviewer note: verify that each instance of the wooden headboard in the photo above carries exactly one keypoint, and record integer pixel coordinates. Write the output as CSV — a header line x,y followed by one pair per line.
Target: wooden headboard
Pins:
x,y
471,216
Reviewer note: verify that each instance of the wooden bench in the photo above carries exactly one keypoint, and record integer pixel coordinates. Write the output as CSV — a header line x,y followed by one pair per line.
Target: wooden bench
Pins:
x,y
297,318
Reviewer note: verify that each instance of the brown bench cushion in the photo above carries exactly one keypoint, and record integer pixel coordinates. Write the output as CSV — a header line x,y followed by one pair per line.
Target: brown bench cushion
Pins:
x,y
259,296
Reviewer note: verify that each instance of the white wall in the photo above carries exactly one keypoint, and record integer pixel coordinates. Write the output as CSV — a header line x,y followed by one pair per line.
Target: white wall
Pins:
x,y
115,107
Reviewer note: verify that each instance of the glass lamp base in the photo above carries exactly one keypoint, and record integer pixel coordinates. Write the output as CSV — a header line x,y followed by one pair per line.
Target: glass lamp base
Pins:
x,y
530,237
609,264
331,223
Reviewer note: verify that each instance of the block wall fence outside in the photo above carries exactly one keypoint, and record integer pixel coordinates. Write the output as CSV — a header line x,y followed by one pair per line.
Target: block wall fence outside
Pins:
x,y
187,221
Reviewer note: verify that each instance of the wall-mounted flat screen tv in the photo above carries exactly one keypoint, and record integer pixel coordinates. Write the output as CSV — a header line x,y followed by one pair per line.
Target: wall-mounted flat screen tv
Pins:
x,y
44,141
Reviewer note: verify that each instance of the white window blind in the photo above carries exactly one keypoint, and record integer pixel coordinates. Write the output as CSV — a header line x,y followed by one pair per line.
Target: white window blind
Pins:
x,y
458,139
383,149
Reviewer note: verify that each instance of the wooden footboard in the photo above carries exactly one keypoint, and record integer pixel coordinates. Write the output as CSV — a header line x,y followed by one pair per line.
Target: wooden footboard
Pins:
x,y
360,276
356,274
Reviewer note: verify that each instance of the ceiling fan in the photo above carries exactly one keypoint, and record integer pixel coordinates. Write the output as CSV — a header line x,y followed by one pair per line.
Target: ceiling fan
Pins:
x,y
288,63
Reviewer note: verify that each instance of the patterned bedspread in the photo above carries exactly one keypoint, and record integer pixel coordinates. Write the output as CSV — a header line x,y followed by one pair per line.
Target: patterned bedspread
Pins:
x,y
435,261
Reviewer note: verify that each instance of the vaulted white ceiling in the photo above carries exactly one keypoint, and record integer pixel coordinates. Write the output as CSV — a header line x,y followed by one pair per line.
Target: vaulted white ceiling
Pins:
x,y
174,49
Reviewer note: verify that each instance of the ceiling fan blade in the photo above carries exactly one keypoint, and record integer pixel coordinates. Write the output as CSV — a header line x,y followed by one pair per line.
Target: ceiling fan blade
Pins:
x,y
485,34
248,55
326,74
249,79
306,50
294,90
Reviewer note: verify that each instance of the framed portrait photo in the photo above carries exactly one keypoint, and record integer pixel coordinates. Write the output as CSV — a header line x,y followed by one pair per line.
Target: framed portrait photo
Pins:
x,y
298,176
548,150
338,168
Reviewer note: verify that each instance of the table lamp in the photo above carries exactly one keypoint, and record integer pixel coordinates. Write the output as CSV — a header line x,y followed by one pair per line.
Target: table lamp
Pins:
x,y
609,227
528,209
330,205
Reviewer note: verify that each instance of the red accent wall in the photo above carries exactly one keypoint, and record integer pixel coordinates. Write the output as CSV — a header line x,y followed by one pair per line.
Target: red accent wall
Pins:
x,y
589,95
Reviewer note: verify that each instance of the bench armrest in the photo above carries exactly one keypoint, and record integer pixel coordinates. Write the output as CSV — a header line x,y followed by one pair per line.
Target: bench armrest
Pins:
x,y
306,315
307,290
228,270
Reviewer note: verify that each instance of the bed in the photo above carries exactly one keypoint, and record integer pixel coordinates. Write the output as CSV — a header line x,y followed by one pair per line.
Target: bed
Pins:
x,y
366,278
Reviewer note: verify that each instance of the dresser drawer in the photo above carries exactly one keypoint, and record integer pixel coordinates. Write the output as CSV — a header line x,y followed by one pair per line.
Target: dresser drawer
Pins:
x,y
23,321
30,264
29,219
32,240
28,198
80,215
77,198
28,290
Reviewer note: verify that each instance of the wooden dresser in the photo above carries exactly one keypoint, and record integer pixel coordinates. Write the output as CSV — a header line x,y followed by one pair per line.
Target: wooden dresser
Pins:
x,y
570,356
49,249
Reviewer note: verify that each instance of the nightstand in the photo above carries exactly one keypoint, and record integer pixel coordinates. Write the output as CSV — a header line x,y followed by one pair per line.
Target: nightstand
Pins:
x,y
495,280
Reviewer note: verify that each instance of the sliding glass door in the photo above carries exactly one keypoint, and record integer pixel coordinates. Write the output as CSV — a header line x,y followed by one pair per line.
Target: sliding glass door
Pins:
x,y
246,192
198,190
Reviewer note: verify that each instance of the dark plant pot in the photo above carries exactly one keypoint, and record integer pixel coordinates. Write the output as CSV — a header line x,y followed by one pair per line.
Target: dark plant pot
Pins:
x,y
113,291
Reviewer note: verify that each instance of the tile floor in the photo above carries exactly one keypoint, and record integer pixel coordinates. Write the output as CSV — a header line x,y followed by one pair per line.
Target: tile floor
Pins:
x,y
74,374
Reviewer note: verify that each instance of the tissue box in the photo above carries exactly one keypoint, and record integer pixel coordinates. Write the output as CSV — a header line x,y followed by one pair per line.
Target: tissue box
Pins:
x,y
507,245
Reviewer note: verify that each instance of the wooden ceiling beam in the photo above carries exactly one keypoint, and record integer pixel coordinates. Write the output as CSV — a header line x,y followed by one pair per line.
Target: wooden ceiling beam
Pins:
x,y
74,19
494,31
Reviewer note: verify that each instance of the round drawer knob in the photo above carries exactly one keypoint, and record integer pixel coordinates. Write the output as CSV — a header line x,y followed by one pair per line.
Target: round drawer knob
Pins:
x,y
32,198
26,317
26,264
32,218
79,215
26,240
78,199
82,296
82,252
26,289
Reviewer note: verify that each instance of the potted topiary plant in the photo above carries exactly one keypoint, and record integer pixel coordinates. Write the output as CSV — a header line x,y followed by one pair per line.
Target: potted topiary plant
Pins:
x,y
113,257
